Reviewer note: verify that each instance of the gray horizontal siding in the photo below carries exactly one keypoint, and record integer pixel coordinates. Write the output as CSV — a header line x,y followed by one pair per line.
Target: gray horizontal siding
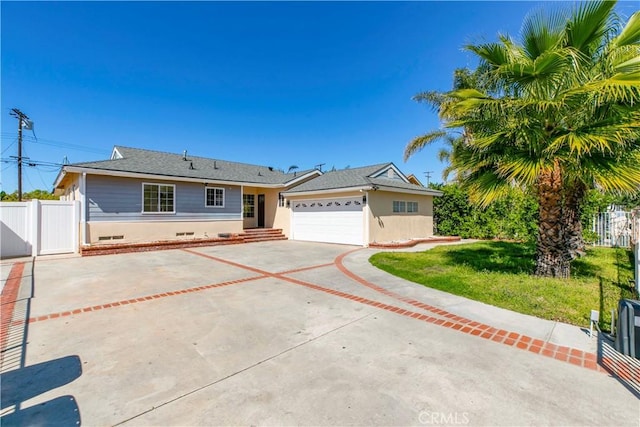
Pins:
x,y
120,199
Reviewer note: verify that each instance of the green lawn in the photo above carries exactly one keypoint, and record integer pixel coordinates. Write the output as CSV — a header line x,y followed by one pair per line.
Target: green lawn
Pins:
x,y
499,273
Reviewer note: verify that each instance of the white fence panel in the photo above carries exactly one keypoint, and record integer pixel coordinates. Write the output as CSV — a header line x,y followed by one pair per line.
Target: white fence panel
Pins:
x,y
15,232
39,228
58,228
613,228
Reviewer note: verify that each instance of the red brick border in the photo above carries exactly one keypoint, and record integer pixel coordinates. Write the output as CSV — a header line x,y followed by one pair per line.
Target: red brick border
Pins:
x,y
140,299
8,301
562,353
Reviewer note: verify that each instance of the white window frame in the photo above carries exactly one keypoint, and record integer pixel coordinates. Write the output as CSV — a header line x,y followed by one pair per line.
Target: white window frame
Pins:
x,y
159,212
415,204
206,199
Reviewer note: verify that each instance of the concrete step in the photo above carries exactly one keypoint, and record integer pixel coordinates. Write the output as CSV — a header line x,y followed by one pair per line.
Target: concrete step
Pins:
x,y
262,231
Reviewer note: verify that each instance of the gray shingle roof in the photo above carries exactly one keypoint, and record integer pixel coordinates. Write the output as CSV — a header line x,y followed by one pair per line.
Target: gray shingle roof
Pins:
x,y
173,165
356,177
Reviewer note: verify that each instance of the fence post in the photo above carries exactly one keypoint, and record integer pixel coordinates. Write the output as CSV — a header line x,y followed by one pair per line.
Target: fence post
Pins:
x,y
636,255
34,234
76,226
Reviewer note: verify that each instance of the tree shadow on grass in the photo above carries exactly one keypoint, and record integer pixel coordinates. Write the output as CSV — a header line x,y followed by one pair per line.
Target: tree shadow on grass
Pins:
x,y
500,257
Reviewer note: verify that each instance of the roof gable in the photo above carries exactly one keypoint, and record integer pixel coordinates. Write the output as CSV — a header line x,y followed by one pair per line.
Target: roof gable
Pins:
x,y
390,171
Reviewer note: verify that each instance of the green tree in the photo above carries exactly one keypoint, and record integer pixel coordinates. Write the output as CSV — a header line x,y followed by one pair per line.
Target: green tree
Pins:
x,y
35,194
555,112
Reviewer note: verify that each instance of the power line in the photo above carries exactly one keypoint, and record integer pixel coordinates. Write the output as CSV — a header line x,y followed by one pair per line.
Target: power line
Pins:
x,y
10,145
58,144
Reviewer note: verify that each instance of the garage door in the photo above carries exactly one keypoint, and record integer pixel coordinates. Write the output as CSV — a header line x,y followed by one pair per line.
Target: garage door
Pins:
x,y
337,220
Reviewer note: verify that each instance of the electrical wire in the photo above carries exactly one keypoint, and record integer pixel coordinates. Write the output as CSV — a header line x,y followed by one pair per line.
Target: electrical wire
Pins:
x,y
42,179
9,146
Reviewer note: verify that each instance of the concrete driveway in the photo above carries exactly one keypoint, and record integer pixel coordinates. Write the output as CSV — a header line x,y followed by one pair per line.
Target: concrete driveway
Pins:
x,y
280,333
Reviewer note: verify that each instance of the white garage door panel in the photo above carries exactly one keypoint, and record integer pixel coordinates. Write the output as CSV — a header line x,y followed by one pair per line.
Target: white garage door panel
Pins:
x,y
314,220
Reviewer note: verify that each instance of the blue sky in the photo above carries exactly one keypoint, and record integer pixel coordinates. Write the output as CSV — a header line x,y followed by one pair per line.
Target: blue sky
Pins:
x,y
270,83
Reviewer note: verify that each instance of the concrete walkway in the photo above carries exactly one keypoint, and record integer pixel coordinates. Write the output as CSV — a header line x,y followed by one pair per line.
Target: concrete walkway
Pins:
x,y
283,333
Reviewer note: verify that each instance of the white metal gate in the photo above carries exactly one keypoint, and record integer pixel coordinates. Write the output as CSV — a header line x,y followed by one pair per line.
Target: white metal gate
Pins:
x,y
39,227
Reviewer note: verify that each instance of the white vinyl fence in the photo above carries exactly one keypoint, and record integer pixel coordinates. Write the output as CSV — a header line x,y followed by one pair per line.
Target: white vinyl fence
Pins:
x,y
614,228
39,227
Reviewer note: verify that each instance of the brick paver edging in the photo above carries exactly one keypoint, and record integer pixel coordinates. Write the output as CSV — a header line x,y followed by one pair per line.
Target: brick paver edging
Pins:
x,y
8,301
157,246
562,353
140,299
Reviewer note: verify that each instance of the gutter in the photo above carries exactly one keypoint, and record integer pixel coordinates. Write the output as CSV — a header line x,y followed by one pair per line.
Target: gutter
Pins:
x,y
331,190
434,193
125,174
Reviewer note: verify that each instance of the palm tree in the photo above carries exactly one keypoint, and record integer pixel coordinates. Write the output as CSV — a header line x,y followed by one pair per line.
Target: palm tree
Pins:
x,y
556,112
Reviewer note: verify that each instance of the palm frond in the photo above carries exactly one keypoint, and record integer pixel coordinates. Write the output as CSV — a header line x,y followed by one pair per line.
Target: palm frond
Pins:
x,y
630,34
420,142
541,32
588,24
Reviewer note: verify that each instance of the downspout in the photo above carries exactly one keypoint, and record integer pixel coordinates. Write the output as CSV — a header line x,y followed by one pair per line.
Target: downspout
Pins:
x,y
83,209
242,207
367,212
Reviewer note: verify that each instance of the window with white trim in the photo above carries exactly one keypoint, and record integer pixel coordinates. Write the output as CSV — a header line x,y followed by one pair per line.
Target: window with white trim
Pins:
x,y
412,207
214,197
158,198
248,205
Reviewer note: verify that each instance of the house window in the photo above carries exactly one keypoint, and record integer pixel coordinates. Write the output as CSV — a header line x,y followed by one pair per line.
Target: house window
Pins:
x,y
158,198
248,203
280,200
214,197
399,206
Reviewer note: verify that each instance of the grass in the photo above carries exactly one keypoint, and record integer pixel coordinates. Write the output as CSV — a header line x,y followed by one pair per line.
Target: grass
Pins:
x,y
499,273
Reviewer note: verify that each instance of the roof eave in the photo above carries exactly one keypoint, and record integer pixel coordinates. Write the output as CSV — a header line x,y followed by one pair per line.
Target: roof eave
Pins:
x,y
124,174
328,190
425,192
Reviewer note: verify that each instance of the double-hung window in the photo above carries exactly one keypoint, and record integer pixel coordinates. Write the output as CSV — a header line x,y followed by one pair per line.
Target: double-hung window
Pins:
x,y
214,197
158,198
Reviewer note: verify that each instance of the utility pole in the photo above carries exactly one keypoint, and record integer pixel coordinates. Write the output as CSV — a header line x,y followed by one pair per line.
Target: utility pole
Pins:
x,y
22,119
428,175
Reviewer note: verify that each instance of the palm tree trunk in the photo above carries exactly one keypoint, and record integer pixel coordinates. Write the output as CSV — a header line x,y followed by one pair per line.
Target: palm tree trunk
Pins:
x,y
574,241
551,259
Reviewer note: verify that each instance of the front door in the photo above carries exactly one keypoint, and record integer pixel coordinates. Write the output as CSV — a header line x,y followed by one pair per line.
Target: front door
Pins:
x,y
261,210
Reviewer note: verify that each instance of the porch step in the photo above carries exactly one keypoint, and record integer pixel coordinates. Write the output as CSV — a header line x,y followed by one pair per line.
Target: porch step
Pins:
x,y
262,235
